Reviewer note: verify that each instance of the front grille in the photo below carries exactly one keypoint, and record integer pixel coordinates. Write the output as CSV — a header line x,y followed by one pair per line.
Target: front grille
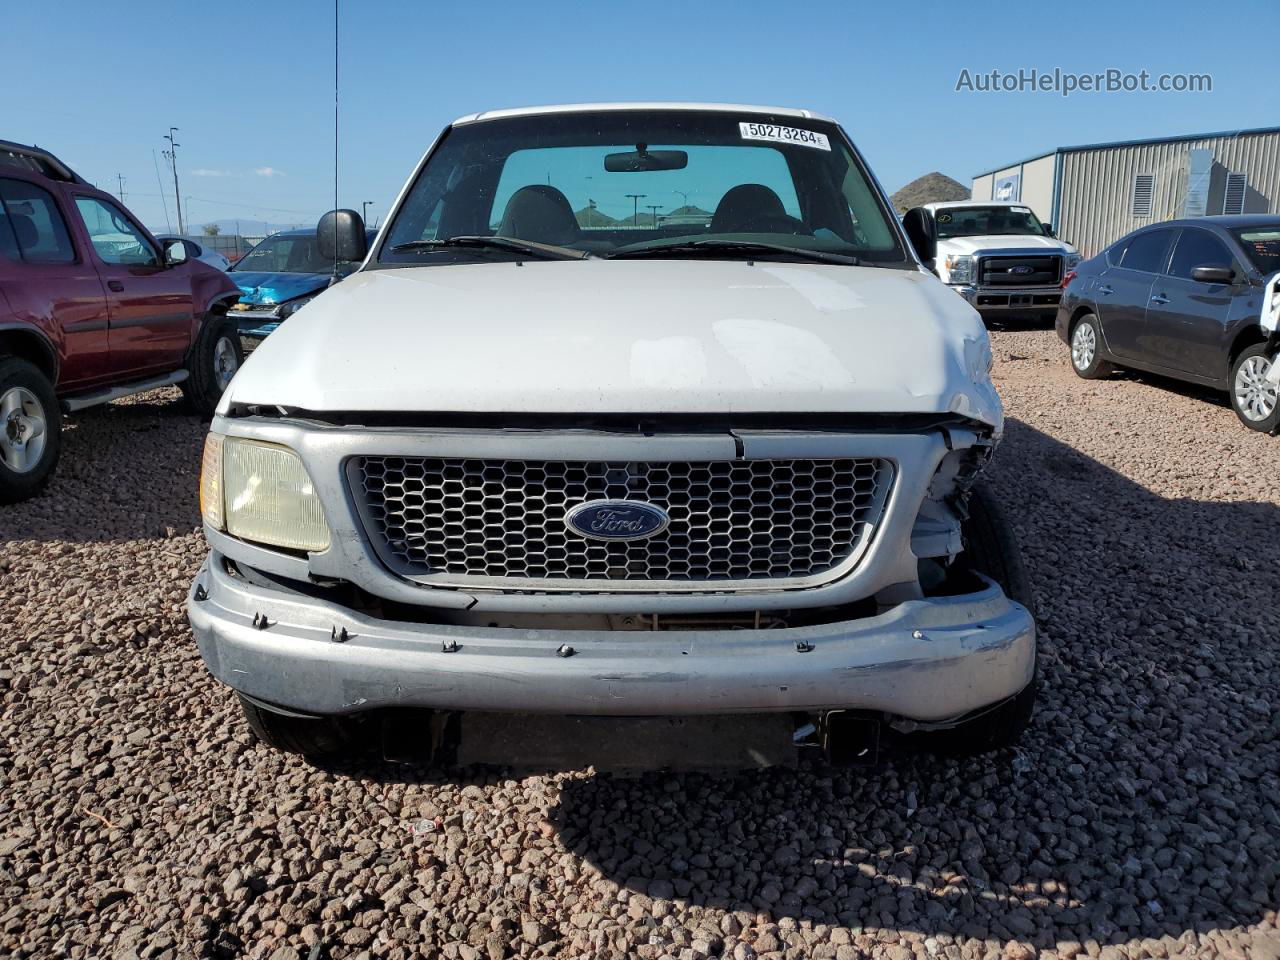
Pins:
x,y
1026,271
739,520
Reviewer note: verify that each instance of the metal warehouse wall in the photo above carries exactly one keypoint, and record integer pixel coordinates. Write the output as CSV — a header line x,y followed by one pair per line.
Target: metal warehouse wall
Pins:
x,y
1097,184
1035,185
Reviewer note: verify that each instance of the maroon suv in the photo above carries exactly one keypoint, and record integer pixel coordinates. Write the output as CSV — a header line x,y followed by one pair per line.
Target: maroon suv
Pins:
x,y
92,308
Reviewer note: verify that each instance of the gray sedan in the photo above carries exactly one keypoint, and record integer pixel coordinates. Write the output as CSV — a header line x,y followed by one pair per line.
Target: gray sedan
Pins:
x,y
1181,299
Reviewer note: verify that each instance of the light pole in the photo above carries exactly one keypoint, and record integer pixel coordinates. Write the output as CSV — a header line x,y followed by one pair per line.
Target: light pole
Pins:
x,y
172,156
653,209
635,206
364,211
683,194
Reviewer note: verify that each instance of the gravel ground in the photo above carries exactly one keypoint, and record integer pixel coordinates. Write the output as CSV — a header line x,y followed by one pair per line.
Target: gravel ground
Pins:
x,y
1139,819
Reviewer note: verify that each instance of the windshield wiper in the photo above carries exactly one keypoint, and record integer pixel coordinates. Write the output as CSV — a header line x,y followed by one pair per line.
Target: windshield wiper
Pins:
x,y
713,245
545,251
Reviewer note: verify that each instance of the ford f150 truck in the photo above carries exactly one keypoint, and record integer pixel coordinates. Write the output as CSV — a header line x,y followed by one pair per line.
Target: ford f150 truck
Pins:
x,y
535,459
998,256
92,308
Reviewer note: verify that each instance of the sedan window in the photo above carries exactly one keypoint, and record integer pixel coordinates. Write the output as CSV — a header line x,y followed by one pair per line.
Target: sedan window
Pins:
x,y
1147,252
1198,248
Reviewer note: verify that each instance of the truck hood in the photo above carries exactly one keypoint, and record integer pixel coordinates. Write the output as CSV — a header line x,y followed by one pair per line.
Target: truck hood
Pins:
x,y
262,289
632,336
960,246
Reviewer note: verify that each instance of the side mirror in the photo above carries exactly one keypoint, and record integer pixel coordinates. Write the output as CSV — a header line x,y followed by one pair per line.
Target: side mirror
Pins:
x,y
175,252
922,233
340,236
1048,229
1213,274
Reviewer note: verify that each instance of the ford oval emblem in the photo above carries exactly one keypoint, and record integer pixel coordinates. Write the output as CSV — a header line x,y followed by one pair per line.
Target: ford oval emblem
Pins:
x,y
1022,270
616,520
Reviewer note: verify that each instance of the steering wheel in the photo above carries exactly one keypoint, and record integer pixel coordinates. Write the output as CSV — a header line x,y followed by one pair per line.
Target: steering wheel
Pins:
x,y
771,223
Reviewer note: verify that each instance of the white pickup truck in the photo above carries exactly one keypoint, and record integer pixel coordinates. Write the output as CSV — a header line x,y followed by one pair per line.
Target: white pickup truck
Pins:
x,y
998,256
541,455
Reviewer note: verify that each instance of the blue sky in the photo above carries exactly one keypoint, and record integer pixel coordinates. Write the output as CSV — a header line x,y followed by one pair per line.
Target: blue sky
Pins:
x,y
250,84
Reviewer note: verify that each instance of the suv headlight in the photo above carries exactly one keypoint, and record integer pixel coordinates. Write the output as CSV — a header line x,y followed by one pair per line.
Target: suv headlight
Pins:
x,y
959,269
260,492
1070,262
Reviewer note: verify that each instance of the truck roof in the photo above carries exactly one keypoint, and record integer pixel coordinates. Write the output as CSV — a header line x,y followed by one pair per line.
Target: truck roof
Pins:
x,y
643,105
952,204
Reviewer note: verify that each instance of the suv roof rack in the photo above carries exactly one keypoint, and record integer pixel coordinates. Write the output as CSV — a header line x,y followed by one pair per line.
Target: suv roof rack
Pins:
x,y
36,160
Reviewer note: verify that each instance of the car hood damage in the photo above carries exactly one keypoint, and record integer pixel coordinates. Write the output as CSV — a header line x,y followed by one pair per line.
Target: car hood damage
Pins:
x,y
599,336
269,289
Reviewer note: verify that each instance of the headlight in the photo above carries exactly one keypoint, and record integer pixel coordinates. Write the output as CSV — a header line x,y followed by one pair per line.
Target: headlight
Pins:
x,y
1070,262
959,269
292,307
261,492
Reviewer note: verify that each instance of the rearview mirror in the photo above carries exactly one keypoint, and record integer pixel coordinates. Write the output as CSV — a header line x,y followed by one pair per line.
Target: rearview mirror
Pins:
x,y
340,236
1213,274
922,234
642,160
175,252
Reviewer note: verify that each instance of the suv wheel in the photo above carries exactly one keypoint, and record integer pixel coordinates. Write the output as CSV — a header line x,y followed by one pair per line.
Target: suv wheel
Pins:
x,y
991,549
1253,397
1085,360
215,358
30,430
313,737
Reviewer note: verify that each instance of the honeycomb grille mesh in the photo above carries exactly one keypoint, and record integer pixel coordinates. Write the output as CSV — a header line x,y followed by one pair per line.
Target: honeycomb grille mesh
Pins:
x,y
730,520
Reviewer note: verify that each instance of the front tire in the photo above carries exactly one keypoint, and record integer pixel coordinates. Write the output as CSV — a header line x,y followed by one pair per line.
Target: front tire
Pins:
x,y
317,738
215,357
990,548
1253,397
30,430
1086,339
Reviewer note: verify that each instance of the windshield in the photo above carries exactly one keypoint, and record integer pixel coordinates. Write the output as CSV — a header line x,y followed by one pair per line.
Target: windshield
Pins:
x,y
1263,247
289,253
994,221
615,182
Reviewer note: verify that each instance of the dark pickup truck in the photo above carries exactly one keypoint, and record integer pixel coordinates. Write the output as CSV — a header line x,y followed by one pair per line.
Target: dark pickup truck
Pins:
x,y
93,308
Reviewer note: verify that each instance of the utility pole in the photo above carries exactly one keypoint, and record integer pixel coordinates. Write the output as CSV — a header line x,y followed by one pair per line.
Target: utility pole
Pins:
x,y
364,211
635,206
172,156
653,209
120,183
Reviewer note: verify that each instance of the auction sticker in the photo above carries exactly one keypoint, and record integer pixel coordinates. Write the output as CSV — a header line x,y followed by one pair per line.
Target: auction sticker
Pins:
x,y
776,134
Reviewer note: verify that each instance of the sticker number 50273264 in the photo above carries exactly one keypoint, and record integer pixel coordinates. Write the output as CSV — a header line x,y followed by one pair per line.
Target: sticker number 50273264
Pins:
x,y
776,134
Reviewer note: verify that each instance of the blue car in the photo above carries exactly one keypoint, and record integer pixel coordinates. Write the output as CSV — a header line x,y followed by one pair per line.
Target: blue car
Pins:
x,y
279,276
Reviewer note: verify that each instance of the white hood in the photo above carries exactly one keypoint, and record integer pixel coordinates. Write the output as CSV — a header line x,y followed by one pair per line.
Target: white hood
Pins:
x,y
961,246
630,336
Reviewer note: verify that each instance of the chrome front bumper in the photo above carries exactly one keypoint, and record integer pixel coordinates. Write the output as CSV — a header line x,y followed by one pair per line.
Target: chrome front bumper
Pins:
x,y
927,660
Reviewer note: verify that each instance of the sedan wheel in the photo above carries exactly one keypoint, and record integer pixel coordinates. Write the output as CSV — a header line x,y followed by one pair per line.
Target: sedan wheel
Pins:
x,y
1084,346
1254,397
1085,360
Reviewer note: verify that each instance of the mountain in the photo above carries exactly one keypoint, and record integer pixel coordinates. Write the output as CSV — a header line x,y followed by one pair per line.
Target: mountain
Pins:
x,y
931,188
592,217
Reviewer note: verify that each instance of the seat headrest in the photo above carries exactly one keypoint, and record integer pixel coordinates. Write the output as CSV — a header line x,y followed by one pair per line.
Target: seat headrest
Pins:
x,y
24,228
540,213
743,204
